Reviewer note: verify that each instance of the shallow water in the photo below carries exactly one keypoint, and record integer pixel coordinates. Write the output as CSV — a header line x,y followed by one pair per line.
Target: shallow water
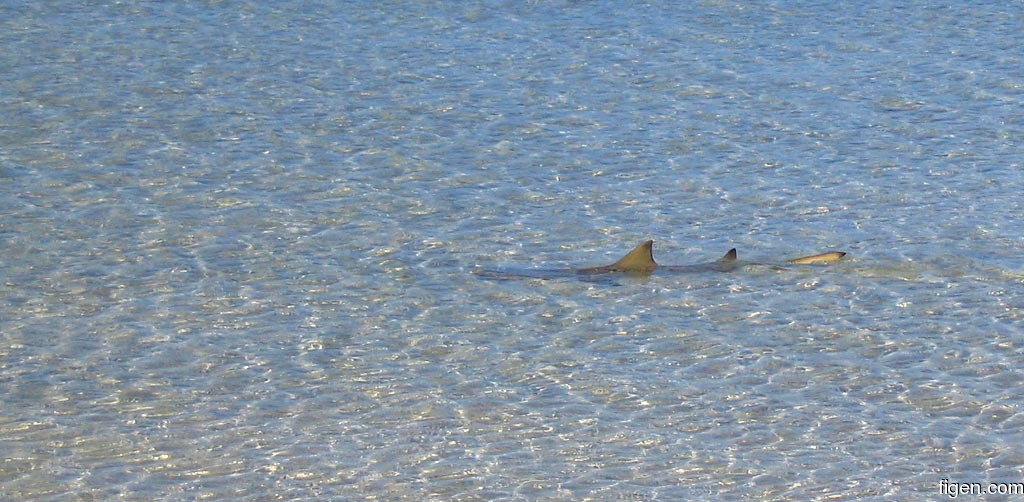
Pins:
x,y
239,244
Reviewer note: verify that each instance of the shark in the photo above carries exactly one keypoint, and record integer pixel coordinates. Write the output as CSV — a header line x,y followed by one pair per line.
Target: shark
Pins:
x,y
640,262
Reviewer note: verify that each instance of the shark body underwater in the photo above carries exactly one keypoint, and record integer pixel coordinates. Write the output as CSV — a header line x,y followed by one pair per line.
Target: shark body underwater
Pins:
x,y
640,262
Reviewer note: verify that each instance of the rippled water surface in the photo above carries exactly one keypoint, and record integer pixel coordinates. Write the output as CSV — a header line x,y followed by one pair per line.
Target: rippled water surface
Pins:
x,y
242,244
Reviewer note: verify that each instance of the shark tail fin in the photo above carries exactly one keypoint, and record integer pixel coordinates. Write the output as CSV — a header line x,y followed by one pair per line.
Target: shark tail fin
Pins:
x,y
819,259
640,259
729,256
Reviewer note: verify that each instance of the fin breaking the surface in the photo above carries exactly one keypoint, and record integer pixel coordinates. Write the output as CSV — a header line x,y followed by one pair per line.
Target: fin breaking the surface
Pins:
x,y
819,259
729,256
639,260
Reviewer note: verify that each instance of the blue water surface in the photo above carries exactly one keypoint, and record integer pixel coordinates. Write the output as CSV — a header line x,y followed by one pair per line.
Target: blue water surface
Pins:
x,y
242,244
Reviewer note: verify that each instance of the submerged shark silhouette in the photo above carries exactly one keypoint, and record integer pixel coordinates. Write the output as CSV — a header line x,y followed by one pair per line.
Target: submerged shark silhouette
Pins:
x,y
640,261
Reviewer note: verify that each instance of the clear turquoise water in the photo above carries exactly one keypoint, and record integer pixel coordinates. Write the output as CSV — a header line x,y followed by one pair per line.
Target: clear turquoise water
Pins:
x,y
238,248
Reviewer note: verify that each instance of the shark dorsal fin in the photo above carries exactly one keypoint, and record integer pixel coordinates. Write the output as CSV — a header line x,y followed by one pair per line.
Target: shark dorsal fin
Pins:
x,y
640,259
729,256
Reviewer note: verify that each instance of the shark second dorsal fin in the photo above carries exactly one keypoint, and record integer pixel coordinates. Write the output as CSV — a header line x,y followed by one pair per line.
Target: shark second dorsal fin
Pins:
x,y
819,259
729,256
640,259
